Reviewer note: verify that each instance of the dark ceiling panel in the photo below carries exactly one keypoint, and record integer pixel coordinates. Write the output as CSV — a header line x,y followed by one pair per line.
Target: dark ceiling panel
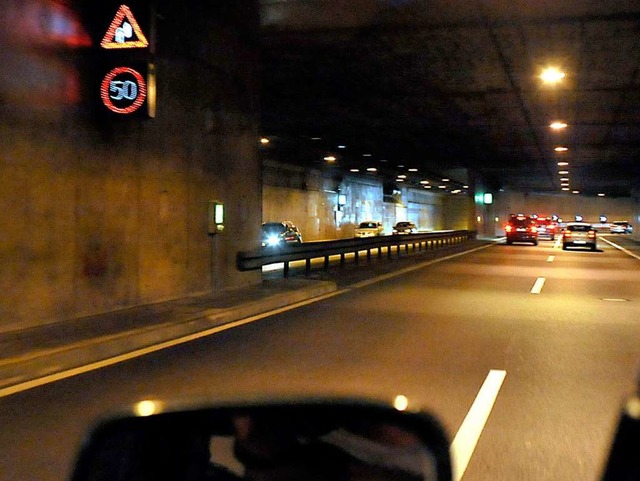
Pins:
x,y
449,84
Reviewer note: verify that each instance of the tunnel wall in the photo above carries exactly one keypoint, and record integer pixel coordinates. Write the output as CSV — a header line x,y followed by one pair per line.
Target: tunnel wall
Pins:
x,y
99,212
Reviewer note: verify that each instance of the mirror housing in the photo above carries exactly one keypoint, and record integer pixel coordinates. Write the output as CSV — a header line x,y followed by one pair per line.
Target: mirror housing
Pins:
x,y
283,440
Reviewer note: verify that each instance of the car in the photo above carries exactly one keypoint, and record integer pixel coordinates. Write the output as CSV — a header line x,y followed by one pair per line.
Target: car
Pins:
x,y
547,228
369,228
579,234
404,227
521,228
621,227
275,234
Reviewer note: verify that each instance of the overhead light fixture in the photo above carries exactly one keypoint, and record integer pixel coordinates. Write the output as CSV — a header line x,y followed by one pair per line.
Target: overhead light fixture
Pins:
x,y
558,125
601,195
442,187
561,149
424,182
564,179
399,180
366,155
576,192
342,146
563,164
354,170
372,169
264,141
316,138
413,170
445,180
427,187
402,176
330,158
566,188
563,172
552,75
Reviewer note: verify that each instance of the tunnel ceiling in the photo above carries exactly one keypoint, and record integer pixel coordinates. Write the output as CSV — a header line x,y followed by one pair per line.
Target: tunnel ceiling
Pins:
x,y
438,85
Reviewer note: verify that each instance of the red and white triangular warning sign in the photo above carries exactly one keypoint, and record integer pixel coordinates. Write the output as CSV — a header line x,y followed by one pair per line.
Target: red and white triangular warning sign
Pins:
x,y
124,31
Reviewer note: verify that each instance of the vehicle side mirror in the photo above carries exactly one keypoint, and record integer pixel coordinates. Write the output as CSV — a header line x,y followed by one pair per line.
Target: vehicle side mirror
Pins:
x,y
624,462
299,440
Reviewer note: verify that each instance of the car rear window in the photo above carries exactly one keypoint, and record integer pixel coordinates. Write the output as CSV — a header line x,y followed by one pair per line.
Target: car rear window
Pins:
x,y
579,228
367,225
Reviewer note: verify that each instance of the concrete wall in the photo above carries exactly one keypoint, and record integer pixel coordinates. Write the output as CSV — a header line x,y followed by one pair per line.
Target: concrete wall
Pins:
x,y
100,213
310,200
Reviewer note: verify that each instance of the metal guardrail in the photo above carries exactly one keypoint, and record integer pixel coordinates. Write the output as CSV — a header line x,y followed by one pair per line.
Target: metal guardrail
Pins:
x,y
308,251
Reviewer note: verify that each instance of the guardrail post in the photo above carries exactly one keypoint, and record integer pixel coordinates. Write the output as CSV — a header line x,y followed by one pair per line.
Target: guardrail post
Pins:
x,y
286,269
326,263
368,255
342,259
307,267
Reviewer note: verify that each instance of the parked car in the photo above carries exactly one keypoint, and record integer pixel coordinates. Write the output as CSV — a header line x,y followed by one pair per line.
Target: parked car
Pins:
x,y
369,228
521,228
404,227
276,234
621,227
579,234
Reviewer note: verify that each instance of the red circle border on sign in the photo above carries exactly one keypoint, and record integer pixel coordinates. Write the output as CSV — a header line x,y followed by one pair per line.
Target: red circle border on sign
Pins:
x,y
104,90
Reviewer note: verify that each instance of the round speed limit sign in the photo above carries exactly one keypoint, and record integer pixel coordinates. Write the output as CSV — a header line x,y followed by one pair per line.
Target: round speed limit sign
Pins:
x,y
123,90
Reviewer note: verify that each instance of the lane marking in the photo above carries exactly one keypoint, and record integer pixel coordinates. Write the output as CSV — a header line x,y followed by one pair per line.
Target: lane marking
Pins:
x,y
551,258
558,243
537,287
615,299
24,386
626,251
466,439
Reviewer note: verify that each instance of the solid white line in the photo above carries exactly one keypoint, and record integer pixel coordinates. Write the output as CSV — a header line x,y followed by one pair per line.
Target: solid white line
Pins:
x,y
626,251
537,287
551,258
24,386
471,428
400,272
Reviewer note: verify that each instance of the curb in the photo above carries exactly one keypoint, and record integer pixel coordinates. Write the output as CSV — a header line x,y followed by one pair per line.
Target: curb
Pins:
x,y
52,361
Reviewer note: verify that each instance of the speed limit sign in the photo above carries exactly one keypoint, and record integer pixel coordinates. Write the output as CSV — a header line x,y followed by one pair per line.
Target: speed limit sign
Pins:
x,y
123,90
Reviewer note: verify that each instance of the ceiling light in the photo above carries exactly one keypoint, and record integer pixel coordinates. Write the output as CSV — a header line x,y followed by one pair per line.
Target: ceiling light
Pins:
x,y
424,182
342,146
384,160
330,158
264,141
563,172
399,180
401,166
558,125
413,170
576,192
366,155
316,138
566,188
564,179
427,186
561,149
402,176
442,187
372,169
601,195
552,75
563,164
445,180
465,186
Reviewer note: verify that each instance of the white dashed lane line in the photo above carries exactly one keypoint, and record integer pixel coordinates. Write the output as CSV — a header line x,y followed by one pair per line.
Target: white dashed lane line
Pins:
x,y
467,437
537,287
551,258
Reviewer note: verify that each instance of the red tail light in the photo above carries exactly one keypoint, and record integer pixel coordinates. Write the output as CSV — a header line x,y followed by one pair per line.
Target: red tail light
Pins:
x,y
508,228
591,234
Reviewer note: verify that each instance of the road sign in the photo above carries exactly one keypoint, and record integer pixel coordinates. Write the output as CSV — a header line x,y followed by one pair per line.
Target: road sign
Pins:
x,y
123,90
124,32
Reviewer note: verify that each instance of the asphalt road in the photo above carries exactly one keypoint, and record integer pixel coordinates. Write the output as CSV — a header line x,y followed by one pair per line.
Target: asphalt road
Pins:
x,y
565,350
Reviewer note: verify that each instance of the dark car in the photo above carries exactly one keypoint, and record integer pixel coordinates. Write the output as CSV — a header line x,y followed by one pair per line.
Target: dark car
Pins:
x,y
404,227
276,234
547,228
579,234
521,229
